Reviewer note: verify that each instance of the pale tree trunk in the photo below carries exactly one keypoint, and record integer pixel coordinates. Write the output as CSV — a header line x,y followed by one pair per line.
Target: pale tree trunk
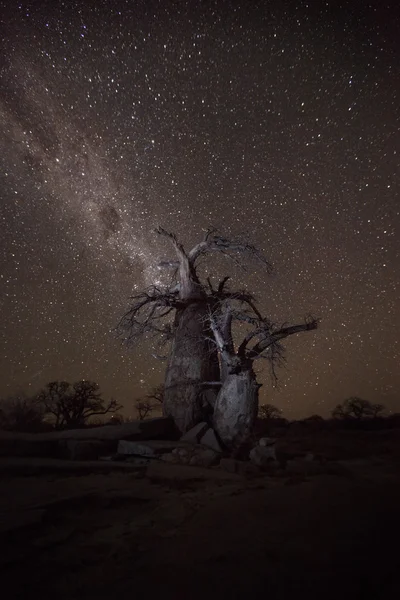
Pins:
x,y
236,408
193,362
193,358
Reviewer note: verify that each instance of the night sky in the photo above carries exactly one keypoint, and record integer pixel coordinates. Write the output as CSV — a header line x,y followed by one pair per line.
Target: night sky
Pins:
x,y
279,118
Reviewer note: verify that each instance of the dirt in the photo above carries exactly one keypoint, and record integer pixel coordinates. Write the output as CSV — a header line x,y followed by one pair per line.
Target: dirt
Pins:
x,y
103,531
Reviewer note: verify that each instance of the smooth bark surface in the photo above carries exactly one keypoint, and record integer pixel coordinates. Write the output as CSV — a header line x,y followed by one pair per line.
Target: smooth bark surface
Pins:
x,y
236,408
193,362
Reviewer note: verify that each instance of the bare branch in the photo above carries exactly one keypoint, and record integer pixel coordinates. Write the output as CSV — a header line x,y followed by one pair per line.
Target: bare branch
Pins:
x,y
179,249
215,242
274,336
148,310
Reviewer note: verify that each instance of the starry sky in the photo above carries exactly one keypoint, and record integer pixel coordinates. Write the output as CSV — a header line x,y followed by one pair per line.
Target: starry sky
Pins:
x,y
280,119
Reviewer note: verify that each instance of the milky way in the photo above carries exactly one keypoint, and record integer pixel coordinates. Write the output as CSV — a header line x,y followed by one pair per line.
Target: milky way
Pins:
x,y
279,119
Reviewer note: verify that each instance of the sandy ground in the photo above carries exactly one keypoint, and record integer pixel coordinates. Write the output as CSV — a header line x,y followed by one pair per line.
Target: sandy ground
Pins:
x,y
99,531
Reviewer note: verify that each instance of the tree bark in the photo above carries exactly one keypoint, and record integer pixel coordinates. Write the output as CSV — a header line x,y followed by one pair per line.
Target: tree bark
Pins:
x,y
236,408
192,362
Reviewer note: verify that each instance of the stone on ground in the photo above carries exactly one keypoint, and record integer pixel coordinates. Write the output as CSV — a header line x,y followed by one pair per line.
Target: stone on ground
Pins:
x,y
194,435
262,456
209,439
266,441
205,458
146,448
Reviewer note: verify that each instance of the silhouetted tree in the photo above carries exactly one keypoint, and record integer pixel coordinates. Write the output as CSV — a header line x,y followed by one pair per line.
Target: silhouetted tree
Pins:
x,y
144,408
269,411
21,413
357,408
73,405
156,395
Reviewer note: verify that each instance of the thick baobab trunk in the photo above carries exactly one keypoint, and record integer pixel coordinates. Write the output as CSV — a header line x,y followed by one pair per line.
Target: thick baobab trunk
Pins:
x,y
193,362
236,408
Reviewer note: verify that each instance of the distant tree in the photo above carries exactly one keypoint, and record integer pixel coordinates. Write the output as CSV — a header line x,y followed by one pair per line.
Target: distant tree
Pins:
x,y
156,395
269,411
376,409
73,405
357,408
143,408
314,419
21,413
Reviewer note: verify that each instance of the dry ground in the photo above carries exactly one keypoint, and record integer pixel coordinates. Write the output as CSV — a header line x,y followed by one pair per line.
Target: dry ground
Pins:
x,y
92,530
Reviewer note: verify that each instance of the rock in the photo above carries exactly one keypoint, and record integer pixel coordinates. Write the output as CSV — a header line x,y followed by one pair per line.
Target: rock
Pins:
x,y
150,448
266,441
138,461
147,429
205,458
83,449
262,456
170,457
209,439
194,435
181,452
126,447
55,443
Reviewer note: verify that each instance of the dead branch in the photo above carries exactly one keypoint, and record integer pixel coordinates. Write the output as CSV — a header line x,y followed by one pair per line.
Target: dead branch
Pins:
x,y
271,338
147,312
214,242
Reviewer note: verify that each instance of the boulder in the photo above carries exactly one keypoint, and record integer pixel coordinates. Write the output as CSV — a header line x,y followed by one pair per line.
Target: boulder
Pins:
x,y
266,441
204,458
170,457
147,429
262,456
194,435
209,439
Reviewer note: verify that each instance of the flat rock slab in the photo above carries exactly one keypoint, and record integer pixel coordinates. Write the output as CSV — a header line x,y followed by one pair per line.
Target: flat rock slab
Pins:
x,y
56,444
196,433
209,439
150,447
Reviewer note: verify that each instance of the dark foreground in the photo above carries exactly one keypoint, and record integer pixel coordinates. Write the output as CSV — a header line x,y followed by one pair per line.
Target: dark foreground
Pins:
x,y
93,531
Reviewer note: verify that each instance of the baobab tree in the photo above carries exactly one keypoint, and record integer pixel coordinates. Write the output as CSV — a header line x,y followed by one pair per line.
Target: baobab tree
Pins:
x,y
179,313
236,407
